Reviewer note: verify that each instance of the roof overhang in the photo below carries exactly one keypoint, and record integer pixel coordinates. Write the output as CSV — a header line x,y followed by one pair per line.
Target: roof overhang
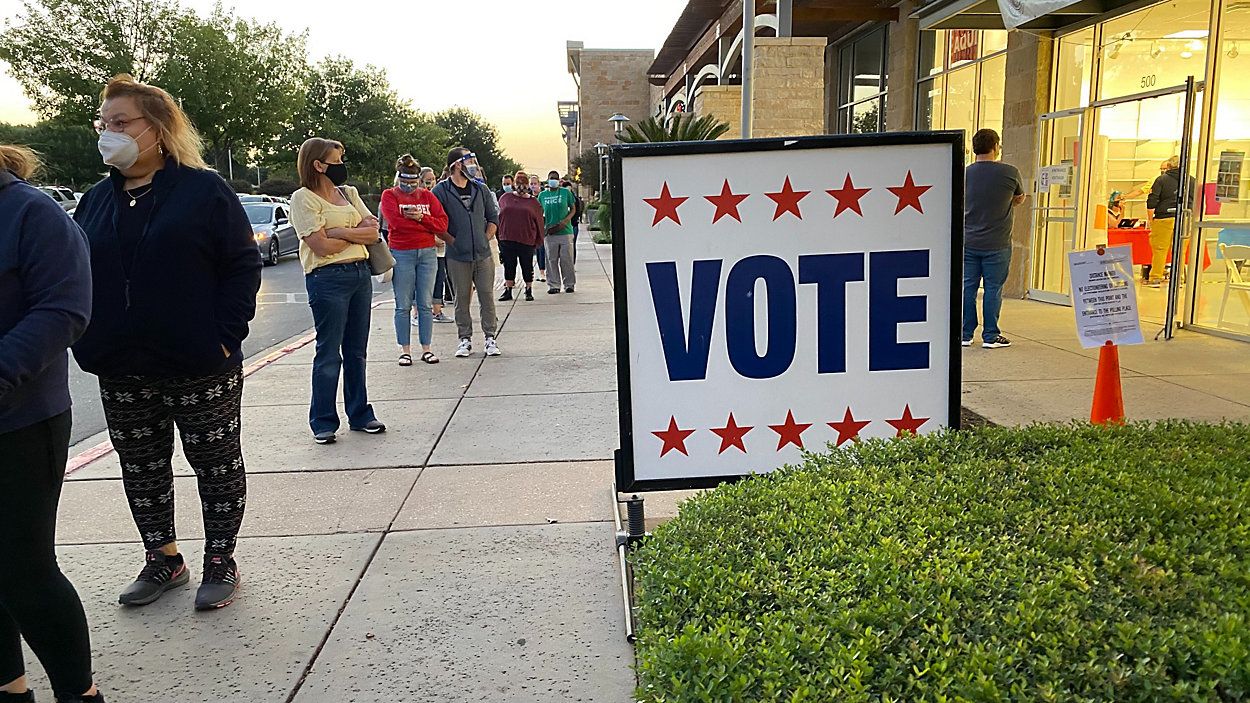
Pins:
x,y
986,14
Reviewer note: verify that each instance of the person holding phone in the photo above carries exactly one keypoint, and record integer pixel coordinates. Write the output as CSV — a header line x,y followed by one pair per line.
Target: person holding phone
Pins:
x,y
164,227
417,222
334,226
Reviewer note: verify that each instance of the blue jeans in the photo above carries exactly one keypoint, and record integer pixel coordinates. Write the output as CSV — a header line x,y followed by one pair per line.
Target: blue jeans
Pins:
x,y
542,257
990,266
413,280
341,296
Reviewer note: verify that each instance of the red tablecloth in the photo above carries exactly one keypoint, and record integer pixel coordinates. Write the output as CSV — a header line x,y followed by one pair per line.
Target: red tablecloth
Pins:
x,y
1139,239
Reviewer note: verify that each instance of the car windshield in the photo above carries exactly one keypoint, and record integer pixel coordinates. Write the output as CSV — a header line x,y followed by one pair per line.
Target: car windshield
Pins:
x,y
259,214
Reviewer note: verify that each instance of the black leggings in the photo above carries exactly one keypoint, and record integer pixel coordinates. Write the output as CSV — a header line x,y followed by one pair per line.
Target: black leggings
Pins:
x,y
513,252
37,602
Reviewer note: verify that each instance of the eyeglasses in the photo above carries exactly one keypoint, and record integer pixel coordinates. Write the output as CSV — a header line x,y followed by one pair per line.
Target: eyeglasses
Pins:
x,y
114,125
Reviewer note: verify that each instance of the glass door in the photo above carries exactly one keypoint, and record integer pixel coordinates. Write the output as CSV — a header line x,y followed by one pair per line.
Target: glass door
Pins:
x,y
1057,208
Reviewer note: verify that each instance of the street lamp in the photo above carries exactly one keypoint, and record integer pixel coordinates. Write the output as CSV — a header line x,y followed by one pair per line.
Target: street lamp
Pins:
x,y
602,150
618,124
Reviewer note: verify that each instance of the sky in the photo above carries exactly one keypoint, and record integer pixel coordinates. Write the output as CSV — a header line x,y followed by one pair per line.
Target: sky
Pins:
x,y
504,60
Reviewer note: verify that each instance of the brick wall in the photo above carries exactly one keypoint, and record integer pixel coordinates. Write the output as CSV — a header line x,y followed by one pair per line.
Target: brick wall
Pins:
x,y
725,103
789,86
1027,95
611,81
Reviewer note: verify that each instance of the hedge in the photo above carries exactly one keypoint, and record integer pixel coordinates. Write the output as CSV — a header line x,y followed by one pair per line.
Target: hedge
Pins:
x,y
1050,563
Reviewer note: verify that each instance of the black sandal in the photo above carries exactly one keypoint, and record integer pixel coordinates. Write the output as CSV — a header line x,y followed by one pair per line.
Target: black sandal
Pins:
x,y
429,358
405,359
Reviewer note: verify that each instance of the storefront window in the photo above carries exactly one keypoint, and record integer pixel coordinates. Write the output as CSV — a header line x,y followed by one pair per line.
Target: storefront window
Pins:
x,y
1157,47
932,51
931,103
990,95
969,68
862,81
1074,59
993,41
1223,295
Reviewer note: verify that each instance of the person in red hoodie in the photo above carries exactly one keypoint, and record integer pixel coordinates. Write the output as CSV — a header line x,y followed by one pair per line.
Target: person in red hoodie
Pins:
x,y
416,220
520,232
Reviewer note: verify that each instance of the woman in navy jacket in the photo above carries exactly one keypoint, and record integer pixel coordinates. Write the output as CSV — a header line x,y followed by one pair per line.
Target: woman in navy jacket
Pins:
x,y
176,273
45,298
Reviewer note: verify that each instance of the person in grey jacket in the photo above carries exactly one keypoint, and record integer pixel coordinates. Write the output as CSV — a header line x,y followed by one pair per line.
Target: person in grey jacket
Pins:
x,y
45,303
473,217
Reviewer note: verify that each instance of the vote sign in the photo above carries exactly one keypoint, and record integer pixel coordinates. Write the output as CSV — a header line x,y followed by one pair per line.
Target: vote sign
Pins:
x,y
775,296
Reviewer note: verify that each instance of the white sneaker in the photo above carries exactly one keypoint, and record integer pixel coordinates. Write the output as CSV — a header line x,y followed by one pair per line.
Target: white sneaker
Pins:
x,y
416,321
465,348
492,349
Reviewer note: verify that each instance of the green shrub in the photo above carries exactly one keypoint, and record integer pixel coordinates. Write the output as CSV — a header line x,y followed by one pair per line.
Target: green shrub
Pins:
x,y
1068,563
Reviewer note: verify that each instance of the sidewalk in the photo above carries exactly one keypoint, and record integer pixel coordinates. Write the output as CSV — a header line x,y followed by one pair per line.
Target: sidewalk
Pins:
x,y
465,555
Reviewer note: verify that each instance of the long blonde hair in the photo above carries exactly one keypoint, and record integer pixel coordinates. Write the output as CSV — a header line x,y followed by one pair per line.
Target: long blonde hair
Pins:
x,y
22,161
177,136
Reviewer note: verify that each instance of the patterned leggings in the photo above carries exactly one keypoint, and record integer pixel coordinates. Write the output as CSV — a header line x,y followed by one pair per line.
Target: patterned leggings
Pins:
x,y
141,414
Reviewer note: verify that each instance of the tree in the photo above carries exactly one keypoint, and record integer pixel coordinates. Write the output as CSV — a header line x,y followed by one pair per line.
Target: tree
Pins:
x,y
681,127
68,150
588,163
240,81
467,129
64,51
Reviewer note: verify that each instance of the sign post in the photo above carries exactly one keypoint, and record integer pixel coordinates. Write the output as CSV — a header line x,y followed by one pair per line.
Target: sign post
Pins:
x,y
777,296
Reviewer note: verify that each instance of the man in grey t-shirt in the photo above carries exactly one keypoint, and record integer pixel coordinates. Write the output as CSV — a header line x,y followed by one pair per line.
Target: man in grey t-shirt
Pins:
x,y
991,190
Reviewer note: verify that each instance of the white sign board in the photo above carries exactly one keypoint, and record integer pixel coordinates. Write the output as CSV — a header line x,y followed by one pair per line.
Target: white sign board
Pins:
x,y
1018,12
1104,297
1048,176
776,296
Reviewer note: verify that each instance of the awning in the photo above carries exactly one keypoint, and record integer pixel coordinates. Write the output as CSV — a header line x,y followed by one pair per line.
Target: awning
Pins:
x,y
1023,14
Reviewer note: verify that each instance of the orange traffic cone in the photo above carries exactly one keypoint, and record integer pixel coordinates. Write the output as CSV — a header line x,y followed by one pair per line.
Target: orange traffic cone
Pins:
x,y
1108,397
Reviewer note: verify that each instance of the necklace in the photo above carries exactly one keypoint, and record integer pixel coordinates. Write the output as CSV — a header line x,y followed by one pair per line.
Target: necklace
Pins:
x,y
135,198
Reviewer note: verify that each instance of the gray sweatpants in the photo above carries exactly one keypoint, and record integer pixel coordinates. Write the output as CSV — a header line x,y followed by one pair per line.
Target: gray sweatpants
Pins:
x,y
465,276
560,271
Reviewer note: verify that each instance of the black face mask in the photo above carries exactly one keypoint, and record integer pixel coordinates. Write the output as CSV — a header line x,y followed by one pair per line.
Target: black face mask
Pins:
x,y
337,173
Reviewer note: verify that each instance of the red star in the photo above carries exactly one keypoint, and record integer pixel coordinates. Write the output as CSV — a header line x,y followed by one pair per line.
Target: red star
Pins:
x,y
665,206
907,424
848,197
908,195
849,428
726,203
673,437
731,435
790,432
788,200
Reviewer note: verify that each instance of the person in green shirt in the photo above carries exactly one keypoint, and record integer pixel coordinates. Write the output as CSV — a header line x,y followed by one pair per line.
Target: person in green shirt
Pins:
x,y
559,205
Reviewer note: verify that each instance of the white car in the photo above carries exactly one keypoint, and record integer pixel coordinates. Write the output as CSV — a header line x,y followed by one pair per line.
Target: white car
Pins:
x,y
63,196
272,230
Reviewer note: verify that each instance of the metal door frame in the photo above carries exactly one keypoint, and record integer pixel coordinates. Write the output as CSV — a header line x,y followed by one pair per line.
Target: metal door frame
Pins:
x,y
1077,182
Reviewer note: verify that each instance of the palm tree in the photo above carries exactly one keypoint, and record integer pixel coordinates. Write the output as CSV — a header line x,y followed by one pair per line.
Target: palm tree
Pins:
x,y
681,127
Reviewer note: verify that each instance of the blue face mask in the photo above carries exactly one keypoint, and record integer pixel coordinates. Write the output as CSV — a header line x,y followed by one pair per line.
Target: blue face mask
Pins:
x,y
507,189
553,183
407,188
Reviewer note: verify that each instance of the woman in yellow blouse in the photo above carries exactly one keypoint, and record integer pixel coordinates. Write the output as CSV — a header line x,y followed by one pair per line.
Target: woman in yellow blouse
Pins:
x,y
333,227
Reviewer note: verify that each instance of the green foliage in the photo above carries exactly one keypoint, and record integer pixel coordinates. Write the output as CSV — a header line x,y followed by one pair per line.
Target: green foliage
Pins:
x,y
68,150
1069,563
603,218
588,162
241,186
278,186
467,129
681,127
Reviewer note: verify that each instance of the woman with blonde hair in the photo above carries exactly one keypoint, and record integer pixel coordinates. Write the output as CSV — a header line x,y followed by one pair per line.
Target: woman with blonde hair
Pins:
x,y
417,222
334,227
45,302
175,274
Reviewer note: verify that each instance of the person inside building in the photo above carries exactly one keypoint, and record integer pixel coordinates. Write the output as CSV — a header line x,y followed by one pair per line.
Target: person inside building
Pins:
x,y
559,206
991,190
1163,203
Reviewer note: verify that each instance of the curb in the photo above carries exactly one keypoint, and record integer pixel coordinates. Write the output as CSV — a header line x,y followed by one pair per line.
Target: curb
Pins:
x,y
103,449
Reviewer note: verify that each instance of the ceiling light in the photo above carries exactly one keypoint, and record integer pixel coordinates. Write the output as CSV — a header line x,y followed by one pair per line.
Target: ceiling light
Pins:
x,y
1187,54
1187,34
1233,52
1115,51
1155,50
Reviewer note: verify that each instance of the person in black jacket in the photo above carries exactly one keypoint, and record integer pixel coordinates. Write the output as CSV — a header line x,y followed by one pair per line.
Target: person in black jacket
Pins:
x,y
45,300
1163,204
175,273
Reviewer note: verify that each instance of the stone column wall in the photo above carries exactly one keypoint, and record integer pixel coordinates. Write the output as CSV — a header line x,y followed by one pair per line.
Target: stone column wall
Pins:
x,y
904,46
1027,95
612,80
724,102
789,86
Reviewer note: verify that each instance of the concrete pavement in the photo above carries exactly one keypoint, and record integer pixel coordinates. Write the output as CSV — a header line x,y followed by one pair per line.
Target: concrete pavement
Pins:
x,y
465,555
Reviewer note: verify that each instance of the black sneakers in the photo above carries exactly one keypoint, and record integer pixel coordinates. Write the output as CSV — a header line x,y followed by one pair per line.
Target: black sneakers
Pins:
x,y
97,698
996,343
507,295
529,294
160,574
221,582
27,697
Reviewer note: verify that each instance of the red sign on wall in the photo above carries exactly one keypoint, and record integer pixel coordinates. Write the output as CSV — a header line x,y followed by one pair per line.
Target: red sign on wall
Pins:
x,y
963,45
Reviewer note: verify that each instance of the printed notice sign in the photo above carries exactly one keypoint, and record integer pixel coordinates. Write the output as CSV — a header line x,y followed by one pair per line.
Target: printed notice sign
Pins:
x,y
777,296
1103,296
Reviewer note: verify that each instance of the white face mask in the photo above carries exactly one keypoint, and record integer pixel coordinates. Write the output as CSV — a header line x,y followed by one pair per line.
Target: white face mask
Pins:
x,y
120,150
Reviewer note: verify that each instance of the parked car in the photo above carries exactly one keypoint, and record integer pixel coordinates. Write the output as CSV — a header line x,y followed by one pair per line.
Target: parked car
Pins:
x,y
63,196
245,198
272,229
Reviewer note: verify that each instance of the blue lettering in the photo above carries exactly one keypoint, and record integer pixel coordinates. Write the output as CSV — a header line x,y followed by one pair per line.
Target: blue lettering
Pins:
x,y
887,309
685,354
831,273
740,316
